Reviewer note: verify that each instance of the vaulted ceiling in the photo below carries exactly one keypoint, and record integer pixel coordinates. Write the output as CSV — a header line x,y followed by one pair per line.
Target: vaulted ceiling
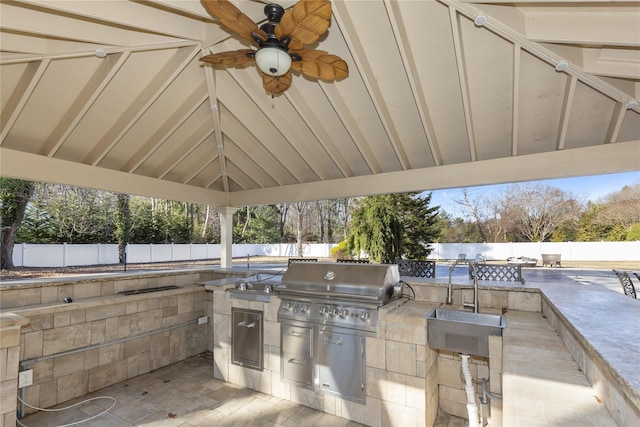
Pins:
x,y
440,94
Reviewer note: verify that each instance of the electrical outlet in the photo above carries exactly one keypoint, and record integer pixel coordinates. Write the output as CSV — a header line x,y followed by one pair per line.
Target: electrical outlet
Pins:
x,y
202,320
25,378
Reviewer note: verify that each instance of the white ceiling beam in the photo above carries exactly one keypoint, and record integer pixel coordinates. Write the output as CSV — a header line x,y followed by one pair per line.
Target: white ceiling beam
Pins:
x,y
305,112
215,115
20,95
108,68
178,118
268,167
17,164
413,76
201,169
272,110
128,14
616,123
540,51
515,120
89,52
265,168
273,140
593,160
27,21
190,8
352,127
18,45
591,26
565,115
621,63
547,2
182,150
246,168
349,32
464,82
160,82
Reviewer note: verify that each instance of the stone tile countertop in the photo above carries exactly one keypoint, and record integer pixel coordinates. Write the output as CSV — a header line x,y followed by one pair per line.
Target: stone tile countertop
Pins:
x,y
606,323
10,320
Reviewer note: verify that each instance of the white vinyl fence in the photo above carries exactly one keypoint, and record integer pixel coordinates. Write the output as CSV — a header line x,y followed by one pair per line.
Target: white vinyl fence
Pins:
x,y
66,254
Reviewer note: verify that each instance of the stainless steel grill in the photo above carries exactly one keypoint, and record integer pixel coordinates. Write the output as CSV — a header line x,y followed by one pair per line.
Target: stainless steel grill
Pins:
x,y
326,312
345,295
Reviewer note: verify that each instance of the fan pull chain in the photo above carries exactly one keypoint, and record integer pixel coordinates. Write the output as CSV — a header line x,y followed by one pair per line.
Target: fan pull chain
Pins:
x,y
277,79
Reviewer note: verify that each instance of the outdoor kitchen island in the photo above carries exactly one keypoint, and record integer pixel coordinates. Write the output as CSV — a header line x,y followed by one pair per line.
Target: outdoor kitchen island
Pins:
x,y
405,381
399,365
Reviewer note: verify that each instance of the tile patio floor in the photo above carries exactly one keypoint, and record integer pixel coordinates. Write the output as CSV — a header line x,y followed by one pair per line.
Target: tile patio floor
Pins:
x,y
187,395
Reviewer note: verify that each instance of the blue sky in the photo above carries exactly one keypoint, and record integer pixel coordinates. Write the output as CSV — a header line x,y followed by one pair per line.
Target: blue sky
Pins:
x,y
585,187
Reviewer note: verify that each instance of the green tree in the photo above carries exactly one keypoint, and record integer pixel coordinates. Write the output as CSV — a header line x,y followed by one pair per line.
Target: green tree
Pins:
x,y
538,210
123,224
588,229
392,226
634,234
81,215
266,225
456,230
37,225
376,229
14,197
258,224
420,224
147,225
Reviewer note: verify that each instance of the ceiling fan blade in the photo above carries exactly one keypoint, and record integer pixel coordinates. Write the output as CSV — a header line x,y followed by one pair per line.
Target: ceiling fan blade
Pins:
x,y
232,18
233,57
276,85
305,22
319,64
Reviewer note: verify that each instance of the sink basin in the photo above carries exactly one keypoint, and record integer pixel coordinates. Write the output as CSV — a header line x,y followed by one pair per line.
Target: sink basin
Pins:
x,y
263,277
257,287
462,331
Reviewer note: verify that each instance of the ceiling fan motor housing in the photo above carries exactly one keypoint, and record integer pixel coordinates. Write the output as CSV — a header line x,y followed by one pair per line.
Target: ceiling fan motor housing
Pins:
x,y
274,12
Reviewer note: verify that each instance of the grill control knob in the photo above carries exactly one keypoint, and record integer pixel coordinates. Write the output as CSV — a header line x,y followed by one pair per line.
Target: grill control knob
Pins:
x,y
333,312
286,306
304,308
365,316
344,313
324,310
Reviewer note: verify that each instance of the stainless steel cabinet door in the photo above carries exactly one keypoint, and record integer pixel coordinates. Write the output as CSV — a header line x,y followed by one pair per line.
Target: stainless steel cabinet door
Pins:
x,y
247,339
340,367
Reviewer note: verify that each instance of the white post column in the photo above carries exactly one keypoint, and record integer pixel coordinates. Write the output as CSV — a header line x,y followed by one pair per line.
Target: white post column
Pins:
x,y
226,235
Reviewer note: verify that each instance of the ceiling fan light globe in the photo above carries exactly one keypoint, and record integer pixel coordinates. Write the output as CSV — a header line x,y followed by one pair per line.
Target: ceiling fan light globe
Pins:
x,y
273,61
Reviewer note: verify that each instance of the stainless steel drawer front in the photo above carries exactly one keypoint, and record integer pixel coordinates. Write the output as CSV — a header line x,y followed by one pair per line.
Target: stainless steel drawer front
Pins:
x,y
297,355
296,339
297,368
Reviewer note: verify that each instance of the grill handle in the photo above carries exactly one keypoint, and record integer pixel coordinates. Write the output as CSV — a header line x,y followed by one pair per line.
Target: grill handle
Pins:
x,y
295,334
295,361
247,325
328,341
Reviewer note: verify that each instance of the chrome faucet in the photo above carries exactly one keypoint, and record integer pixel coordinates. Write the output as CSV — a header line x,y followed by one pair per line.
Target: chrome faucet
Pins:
x,y
450,288
474,304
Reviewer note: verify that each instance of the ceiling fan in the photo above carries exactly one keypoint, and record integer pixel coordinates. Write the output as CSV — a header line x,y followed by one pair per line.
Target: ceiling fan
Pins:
x,y
281,42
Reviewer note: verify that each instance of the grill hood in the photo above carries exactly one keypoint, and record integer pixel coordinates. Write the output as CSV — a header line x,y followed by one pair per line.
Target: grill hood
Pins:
x,y
373,283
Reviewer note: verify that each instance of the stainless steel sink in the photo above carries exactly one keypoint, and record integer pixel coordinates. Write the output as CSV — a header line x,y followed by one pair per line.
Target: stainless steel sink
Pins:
x,y
463,331
256,287
264,277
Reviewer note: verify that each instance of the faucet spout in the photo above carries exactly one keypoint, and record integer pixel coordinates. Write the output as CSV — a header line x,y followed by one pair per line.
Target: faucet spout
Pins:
x,y
449,300
474,304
